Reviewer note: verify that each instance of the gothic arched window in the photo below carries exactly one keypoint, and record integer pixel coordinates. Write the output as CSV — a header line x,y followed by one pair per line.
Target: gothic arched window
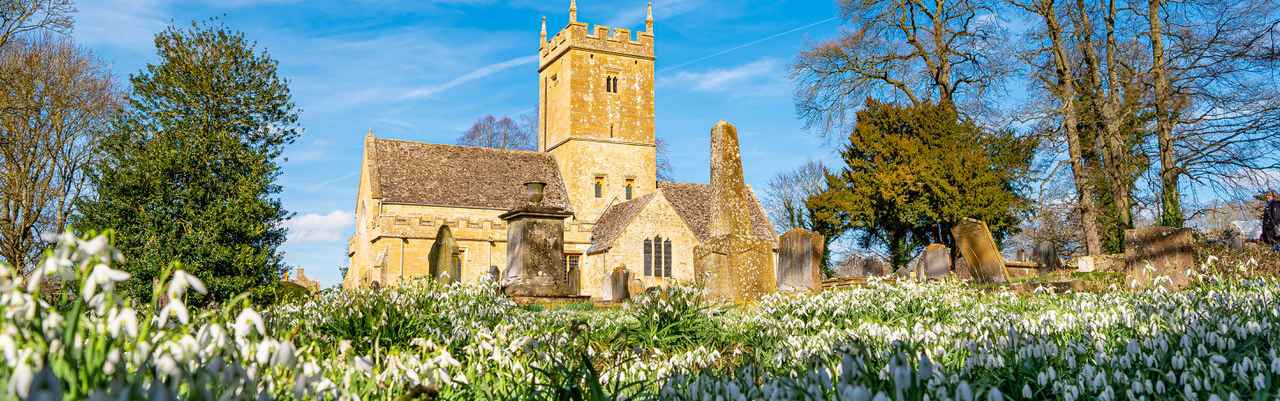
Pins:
x,y
666,258
648,257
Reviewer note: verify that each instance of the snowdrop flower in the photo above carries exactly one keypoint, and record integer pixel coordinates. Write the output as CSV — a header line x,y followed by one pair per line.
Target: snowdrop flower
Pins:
x,y
20,382
102,277
247,320
182,281
122,321
175,308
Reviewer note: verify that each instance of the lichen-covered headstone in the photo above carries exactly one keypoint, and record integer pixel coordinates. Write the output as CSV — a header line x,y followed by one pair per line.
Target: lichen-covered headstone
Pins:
x,y
733,265
800,260
443,258
978,248
1156,254
936,262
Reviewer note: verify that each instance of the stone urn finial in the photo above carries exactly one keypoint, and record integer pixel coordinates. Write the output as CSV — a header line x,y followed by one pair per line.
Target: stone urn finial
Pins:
x,y
535,191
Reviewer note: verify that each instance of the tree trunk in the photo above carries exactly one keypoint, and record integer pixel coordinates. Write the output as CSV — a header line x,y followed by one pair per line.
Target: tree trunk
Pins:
x,y
1066,96
1104,99
1119,165
1170,200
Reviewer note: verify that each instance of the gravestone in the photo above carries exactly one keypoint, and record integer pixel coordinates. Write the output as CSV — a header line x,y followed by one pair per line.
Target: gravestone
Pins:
x,y
962,270
733,265
936,262
535,248
874,267
978,248
445,266
618,282
800,260
494,274
1153,252
1047,257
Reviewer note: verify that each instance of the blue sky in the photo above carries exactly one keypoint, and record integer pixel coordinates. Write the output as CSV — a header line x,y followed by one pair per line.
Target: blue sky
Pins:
x,y
426,69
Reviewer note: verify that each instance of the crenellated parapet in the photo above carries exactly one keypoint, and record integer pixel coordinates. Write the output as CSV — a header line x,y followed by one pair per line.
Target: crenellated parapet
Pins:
x,y
599,38
422,226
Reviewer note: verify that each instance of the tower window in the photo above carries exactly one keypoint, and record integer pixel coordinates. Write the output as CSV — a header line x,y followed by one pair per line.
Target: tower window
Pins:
x,y
599,186
611,84
631,184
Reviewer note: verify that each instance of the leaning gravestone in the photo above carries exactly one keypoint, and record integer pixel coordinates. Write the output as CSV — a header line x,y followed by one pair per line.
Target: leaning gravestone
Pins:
x,y
978,248
1155,252
535,248
735,265
800,260
936,262
443,258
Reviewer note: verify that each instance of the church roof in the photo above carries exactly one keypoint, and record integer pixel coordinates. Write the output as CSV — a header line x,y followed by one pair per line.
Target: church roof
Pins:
x,y
614,220
691,201
461,176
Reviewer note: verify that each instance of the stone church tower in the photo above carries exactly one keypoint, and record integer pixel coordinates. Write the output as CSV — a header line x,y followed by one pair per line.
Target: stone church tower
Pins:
x,y
595,106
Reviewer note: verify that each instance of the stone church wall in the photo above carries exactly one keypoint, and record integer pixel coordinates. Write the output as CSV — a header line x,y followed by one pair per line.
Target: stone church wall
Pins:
x,y
657,219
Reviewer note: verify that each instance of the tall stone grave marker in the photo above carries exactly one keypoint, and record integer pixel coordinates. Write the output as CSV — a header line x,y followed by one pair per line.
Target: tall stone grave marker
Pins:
x,y
535,248
615,285
978,248
443,258
1153,252
800,260
936,262
733,264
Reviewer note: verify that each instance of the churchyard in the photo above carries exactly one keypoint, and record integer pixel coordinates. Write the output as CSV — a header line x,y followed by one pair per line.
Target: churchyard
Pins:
x,y
884,339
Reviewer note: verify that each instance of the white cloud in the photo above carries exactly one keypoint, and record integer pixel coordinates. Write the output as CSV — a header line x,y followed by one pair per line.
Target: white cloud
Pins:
x,y
766,71
480,73
314,227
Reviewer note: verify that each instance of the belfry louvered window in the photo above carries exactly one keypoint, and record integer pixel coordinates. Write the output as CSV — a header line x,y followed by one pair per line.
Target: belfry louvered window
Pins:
x,y
611,84
648,257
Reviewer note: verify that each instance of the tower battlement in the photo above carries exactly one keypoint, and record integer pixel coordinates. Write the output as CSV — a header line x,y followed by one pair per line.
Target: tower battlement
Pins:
x,y
598,38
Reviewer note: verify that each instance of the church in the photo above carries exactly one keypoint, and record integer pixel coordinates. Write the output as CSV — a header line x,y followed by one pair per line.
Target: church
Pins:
x,y
596,153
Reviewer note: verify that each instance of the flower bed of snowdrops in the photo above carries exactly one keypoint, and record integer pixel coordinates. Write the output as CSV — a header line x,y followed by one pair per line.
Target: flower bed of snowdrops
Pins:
x,y
905,341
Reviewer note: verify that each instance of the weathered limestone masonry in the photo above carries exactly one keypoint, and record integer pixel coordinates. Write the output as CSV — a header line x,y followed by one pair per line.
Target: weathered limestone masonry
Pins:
x,y
980,252
535,255
800,260
735,265
1159,252
596,112
446,266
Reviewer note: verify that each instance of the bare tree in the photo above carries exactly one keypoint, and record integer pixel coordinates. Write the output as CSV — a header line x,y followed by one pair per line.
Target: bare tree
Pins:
x,y
1216,101
663,161
22,16
944,51
788,191
1060,79
63,102
504,133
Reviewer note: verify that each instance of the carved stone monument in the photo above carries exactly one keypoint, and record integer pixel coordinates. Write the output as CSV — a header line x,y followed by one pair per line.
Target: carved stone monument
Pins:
x,y
800,260
535,248
978,248
444,259
1153,252
936,262
733,264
